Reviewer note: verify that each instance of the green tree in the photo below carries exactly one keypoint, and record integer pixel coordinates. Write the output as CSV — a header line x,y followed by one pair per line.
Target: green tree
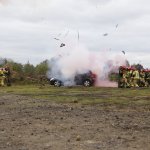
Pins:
x,y
3,61
42,68
29,70
16,70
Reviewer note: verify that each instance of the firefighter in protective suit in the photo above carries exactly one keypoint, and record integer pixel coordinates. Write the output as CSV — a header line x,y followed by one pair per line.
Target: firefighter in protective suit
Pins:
x,y
136,77
142,78
7,76
147,77
2,77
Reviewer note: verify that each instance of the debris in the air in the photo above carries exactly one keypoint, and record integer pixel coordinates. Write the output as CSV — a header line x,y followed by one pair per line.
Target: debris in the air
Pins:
x,y
62,45
123,52
56,39
78,36
105,34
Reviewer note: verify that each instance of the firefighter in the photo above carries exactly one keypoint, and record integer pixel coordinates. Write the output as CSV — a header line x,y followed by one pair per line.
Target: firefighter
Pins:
x,y
142,82
128,77
124,78
2,76
120,77
135,76
8,75
132,77
147,77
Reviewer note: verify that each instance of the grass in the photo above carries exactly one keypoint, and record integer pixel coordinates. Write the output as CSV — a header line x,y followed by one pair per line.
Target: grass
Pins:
x,y
83,95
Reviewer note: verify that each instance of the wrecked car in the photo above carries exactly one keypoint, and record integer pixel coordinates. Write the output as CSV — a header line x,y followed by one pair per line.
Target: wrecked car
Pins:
x,y
86,79
56,82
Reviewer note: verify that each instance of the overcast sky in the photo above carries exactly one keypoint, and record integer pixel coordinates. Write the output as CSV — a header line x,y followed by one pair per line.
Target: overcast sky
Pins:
x,y
28,28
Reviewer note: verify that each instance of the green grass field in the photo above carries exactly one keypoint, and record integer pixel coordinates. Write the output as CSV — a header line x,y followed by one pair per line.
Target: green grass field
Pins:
x,y
83,95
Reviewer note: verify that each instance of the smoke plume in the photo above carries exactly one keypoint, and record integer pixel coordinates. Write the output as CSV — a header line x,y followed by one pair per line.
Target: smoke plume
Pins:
x,y
68,62
3,2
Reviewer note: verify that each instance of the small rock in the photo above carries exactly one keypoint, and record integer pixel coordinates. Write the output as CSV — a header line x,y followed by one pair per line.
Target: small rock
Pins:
x,y
98,147
8,144
46,130
71,108
78,138
75,101
134,137
47,145
23,148
2,103
116,117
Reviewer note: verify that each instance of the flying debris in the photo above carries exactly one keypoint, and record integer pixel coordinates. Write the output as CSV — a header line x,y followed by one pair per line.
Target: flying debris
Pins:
x,y
57,39
105,34
123,52
78,36
62,45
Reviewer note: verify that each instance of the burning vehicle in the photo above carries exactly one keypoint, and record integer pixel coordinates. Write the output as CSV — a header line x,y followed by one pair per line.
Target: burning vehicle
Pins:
x,y
86,79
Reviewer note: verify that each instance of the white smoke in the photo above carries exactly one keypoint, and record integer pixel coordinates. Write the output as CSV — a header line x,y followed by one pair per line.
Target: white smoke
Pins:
x,y
4,2
67,62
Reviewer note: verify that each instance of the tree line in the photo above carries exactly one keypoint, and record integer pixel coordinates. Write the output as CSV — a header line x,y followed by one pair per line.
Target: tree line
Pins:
x,y
26,73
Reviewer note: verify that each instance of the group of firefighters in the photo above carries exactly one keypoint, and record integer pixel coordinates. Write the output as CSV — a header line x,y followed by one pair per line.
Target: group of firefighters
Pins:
x,y
132,77
5,76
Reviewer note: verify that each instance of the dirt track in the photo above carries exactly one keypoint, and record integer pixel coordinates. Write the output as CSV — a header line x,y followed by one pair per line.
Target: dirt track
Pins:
x,y
30,124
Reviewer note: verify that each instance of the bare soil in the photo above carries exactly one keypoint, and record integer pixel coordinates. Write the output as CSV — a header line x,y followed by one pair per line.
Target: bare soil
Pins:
x,y
38,124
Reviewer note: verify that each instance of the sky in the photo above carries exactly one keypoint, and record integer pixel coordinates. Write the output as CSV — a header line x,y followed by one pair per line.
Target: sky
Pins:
x,y
28,28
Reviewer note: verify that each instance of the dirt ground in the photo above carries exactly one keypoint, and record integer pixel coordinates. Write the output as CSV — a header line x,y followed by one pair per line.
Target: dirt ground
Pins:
x,y
36,124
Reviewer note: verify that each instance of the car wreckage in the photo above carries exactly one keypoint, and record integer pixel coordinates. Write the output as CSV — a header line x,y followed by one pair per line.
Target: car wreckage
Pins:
x,y
86,79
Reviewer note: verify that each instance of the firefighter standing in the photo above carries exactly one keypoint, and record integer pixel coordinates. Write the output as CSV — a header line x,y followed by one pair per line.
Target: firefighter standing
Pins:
x,y
147,77
8,74
142,78
131,77
120,77
135,75
2,76
128,76
124,78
